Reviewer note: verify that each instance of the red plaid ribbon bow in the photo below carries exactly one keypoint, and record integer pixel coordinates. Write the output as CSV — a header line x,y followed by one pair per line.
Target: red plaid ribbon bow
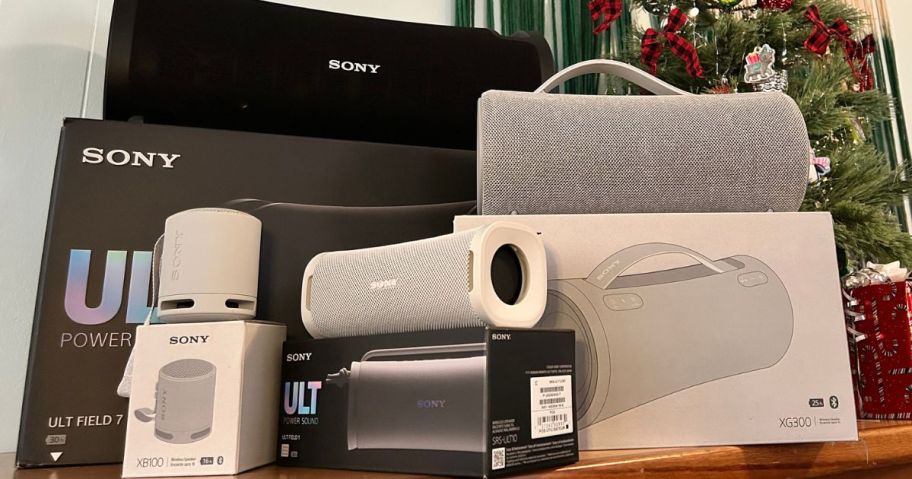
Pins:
x,y
611,9
856,53
651,48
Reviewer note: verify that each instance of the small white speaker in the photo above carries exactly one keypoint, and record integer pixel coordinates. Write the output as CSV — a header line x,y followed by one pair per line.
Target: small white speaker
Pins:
x,y
496,275
184,401
209,266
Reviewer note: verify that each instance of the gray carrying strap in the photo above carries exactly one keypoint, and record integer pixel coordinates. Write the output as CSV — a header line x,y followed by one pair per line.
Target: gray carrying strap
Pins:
x,y
126,381
610,67
616,264
424,351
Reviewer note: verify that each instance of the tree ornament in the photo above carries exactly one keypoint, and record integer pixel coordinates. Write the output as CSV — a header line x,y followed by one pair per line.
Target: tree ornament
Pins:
x,y
759,67
651,46
759,71
693,12
722,88
783,5
729,4
611,9
659,8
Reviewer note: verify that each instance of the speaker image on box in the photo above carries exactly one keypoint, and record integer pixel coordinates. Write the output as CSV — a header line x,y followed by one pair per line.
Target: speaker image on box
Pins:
x,y
493,275
422,404
261,66
184,401
294,233
640,337
209,266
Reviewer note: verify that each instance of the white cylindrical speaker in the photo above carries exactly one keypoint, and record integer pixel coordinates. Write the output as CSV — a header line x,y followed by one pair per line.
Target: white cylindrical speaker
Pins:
x,y
184,401
209,266
495,275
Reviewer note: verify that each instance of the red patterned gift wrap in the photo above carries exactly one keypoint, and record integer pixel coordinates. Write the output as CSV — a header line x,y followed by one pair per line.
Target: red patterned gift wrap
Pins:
x,y
881,350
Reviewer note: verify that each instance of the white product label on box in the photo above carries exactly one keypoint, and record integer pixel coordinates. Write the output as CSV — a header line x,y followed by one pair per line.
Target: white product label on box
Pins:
x,y
552,406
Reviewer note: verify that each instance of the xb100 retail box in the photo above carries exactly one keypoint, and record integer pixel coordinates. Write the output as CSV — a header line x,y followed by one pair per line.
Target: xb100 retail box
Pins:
x,y
699,329
114,186
466,402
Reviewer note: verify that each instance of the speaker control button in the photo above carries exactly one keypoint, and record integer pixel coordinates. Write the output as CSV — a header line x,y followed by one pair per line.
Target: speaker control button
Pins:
x,y
754,278
623,302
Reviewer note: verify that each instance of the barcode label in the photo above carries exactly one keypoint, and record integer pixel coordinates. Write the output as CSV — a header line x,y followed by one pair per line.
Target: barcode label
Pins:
x,y
552,406
553,418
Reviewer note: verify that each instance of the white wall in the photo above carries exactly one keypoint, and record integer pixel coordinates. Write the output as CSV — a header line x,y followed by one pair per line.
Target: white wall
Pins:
x,y
900,12
52,66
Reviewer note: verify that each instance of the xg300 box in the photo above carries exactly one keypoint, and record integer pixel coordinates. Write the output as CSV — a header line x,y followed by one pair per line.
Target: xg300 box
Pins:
x,y
699,329
468,402
115,184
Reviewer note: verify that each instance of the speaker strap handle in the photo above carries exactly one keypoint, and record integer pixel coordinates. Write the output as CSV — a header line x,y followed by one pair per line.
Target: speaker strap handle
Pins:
x,y
618,263
424,351
126,381
610,67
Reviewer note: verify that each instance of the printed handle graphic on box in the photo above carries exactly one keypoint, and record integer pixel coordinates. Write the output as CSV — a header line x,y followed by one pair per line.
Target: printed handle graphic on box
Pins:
x,y
421,404
184,401
640,337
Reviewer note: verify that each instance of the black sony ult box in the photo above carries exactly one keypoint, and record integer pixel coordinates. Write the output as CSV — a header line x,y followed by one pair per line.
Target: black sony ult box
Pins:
x,y
260,66
114,186
482,402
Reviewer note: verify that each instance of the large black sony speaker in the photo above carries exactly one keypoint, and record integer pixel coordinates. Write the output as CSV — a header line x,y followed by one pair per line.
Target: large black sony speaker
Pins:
x,y
259,66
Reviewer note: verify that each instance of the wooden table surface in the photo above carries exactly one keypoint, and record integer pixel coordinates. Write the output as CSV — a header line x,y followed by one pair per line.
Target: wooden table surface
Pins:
x,y
884,450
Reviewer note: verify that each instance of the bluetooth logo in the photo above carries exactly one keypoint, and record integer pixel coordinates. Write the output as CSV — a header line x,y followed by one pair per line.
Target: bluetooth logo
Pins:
x,y
834,402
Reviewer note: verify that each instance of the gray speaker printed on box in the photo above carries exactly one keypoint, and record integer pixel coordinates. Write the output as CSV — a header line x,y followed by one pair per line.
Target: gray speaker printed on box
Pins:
x,y
426,404
640,337
184,401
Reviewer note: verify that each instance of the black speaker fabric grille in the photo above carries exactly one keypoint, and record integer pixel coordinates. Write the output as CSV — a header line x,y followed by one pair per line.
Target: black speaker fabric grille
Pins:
x,y
548,153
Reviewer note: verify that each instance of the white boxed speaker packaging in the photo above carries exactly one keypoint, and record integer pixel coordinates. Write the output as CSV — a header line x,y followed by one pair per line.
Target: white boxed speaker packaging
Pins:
x,y
203,399
699,329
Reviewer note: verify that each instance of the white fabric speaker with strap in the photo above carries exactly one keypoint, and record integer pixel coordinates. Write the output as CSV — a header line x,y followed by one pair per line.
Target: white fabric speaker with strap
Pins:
x,y
496,275
542,153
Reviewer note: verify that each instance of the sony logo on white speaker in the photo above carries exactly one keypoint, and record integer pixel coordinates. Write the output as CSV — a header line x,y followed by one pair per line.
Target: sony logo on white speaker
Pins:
x,y
385,284
297,357
188,339
95,156
353,66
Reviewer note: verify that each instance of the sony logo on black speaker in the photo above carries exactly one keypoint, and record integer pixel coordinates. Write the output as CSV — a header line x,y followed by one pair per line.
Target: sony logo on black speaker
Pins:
x,y
95,156
353,66
296,357
188,339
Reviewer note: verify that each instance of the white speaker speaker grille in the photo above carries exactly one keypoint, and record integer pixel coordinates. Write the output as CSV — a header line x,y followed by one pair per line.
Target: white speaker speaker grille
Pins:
x,y
546,153
187,369
407,287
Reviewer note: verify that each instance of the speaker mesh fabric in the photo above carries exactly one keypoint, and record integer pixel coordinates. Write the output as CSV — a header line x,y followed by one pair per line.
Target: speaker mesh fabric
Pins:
x,y
417,286
547,153
187,369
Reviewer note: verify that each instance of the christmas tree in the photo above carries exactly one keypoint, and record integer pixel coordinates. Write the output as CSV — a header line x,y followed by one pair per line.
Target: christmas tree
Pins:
x,y
824,66
822,61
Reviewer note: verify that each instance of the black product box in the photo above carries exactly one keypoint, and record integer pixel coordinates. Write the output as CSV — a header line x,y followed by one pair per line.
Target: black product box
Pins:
x,y
114,186
468,402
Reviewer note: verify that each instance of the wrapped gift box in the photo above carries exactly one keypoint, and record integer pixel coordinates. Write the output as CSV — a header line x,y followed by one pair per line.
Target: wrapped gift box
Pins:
x,y
881,350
